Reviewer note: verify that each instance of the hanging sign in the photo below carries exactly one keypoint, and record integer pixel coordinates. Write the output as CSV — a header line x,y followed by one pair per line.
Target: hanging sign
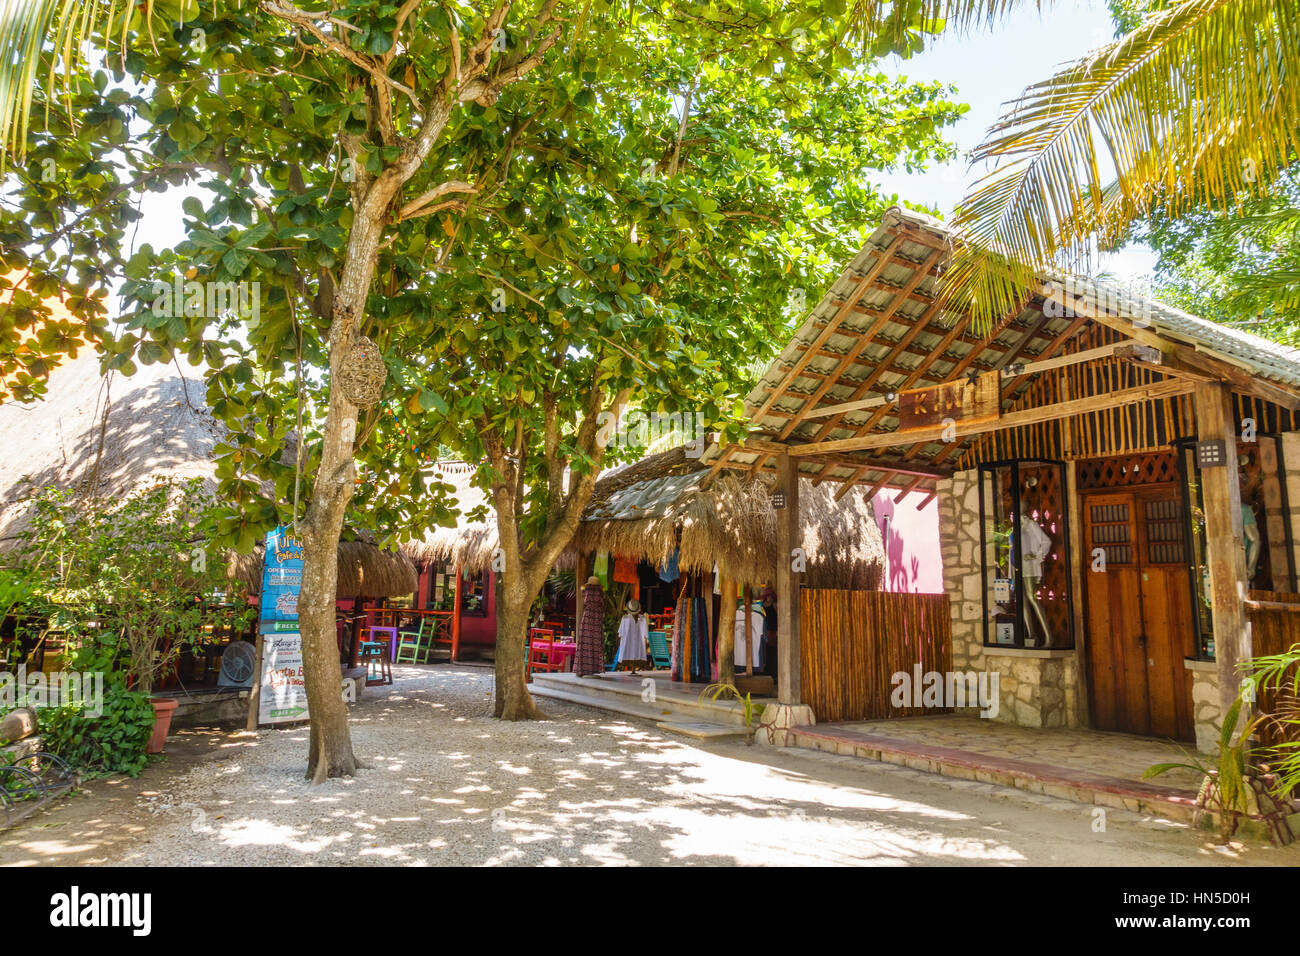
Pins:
x,y
283,693
963,400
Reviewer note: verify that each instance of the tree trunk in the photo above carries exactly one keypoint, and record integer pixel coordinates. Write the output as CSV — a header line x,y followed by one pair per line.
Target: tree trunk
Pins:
x,y
513,702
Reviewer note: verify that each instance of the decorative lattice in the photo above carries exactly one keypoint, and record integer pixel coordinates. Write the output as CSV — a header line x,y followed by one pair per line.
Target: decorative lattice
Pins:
x,y
1151,468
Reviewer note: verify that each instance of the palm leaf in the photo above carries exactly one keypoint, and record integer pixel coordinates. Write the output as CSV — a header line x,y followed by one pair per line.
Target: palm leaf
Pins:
x,y
52,31
1200,102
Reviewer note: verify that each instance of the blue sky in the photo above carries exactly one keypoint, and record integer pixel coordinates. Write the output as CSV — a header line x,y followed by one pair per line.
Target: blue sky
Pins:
x,y
990,67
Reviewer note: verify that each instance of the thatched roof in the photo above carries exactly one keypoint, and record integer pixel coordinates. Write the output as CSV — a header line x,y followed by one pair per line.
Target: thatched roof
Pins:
x,y
470,541
648,509
107,436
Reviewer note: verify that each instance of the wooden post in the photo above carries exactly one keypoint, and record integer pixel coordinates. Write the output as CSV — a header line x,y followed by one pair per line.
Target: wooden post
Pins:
x,y
255,692
1225,548
789,678
727,633
455,617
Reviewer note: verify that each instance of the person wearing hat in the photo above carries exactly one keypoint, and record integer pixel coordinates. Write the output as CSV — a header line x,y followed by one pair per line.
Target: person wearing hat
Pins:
x,y
633,638
589,655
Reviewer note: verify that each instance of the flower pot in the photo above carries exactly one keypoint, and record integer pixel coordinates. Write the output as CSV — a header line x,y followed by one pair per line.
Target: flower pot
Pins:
x,y
162,721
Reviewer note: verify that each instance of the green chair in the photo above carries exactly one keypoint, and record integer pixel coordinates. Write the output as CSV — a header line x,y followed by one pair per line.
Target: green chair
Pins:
x,y
661,655
412,644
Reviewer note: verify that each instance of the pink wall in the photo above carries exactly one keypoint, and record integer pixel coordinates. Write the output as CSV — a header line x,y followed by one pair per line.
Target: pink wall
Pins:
x,y
911,537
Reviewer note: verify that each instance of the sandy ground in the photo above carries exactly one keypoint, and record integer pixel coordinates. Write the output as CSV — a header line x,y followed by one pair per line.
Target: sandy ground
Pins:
x,y
447,784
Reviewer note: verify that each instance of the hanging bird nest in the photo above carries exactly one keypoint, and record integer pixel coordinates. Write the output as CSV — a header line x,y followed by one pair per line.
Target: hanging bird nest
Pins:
x,y
362,373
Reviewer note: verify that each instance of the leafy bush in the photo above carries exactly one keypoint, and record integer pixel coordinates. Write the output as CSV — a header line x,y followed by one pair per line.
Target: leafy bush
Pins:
x,y
113,742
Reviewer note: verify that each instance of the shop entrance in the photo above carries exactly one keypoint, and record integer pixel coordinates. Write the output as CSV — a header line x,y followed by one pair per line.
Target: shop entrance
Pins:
x,y
1138,609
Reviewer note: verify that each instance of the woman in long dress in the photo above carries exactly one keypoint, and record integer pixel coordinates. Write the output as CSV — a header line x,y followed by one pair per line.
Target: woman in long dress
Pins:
x,y
589,656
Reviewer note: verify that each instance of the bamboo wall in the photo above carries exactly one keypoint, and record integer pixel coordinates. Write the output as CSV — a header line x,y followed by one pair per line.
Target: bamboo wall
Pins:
x,y
853,642
1273,631
1132,429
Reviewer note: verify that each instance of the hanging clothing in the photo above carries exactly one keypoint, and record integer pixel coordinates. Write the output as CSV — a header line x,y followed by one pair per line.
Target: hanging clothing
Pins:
x,y
625,571
669,572
1034,547
633,636
678,655
701,663
589,656
755,637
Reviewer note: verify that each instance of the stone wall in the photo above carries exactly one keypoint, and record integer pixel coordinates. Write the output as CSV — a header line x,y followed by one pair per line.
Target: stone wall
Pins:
x,y
1036,688
1206,712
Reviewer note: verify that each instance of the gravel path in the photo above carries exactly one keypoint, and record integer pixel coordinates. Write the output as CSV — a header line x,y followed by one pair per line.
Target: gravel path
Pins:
x,y
447,784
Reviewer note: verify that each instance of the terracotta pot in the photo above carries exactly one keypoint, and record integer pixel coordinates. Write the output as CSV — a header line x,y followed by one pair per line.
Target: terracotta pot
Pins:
x,y
162,721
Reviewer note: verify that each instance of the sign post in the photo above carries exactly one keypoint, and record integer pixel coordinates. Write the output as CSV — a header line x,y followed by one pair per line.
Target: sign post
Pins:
x,y
282,695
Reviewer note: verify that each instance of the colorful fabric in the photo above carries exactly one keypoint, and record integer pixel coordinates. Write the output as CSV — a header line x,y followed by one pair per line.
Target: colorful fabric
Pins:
x,y
670,572
701,659
678,653
589,656
625,571
600,568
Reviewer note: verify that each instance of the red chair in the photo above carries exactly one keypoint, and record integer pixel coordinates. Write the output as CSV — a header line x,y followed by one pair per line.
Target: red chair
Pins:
x,y
540,642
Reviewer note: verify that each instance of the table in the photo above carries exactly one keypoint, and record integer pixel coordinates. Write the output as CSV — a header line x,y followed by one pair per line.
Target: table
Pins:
x,y
563,652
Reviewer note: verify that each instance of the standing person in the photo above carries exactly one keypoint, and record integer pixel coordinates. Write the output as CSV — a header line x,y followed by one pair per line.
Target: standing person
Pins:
x,y
769,632
633,634
589,656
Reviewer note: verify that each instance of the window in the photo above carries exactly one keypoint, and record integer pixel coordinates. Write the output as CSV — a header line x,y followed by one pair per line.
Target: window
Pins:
x,y
1024,546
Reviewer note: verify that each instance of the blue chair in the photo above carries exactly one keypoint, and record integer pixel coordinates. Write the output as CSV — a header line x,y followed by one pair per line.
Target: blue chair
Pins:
x,y
661,655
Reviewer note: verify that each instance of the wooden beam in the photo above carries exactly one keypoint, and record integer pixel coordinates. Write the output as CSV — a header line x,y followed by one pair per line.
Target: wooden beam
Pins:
x,y
882,259
788,678
1028,416
1225,546
866,338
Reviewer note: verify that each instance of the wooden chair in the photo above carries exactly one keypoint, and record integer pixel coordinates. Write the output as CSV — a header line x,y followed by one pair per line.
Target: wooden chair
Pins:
x,y
374,657
413,644
661,655
540,642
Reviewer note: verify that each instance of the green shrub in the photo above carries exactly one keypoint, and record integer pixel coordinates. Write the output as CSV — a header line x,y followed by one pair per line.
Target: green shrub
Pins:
x,y
113,742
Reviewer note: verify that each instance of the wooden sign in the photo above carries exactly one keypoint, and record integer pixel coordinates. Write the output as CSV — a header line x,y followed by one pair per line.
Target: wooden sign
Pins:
x,y
963,400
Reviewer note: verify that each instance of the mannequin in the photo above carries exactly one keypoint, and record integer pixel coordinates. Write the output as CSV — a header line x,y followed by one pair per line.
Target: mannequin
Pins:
x,y
1250,532
1035,545
633,637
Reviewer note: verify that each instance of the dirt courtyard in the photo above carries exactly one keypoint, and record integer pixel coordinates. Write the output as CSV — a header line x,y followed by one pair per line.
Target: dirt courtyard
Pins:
x,y
447,784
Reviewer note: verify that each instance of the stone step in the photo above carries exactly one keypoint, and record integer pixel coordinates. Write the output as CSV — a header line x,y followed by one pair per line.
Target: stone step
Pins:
x,y
664,717
684,705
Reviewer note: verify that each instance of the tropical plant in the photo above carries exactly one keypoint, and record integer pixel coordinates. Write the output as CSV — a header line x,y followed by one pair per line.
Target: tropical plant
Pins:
x,y
130,577
1226,786
1198,104
715,691
1281,673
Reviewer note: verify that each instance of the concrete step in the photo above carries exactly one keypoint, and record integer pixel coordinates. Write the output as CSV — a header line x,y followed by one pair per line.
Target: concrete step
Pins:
x,y
588,692
684,705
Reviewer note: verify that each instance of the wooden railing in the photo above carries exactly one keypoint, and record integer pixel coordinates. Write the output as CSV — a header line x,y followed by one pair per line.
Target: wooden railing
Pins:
x,y
853,642
1275,627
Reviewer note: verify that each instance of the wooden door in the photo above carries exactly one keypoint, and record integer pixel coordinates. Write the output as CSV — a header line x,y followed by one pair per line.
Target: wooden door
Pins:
x,y
1138,611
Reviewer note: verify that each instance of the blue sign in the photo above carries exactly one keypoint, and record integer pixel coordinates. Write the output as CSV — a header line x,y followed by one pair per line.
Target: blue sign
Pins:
x,y
281,582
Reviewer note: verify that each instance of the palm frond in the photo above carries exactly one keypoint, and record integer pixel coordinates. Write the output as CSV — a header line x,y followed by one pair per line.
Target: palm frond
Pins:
x,y
1200,102
53,31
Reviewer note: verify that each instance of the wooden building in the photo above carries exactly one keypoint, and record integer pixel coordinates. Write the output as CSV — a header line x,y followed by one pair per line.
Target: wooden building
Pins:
x,y
1117,483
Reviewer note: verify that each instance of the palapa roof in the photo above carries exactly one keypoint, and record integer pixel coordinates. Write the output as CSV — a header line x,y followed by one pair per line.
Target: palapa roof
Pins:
x,y
882,329
471,541
107,436
651,508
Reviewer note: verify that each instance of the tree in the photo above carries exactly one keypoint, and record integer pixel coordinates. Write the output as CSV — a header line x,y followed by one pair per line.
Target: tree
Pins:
x,y
372,173
1197,105
647,243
